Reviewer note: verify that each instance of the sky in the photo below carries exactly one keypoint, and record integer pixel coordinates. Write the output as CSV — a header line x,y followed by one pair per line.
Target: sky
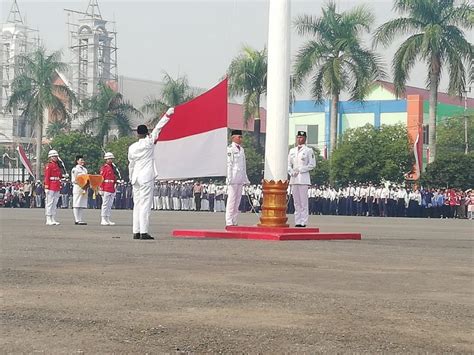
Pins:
x,y
195,38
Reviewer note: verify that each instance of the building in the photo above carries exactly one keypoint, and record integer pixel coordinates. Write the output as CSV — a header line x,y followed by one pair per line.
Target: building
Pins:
x,y
16,38
380,108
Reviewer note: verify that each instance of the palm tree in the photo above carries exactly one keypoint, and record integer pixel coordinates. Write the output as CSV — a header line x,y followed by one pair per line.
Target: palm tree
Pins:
x,y
247,75
57,127
174,92
435,38
107,109
35,93
336,58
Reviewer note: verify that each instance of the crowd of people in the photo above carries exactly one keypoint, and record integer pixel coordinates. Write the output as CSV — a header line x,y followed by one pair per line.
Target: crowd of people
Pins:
x,y
351,200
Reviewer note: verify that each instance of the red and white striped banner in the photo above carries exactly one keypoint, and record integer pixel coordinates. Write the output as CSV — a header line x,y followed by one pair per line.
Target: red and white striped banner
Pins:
x,y
24,160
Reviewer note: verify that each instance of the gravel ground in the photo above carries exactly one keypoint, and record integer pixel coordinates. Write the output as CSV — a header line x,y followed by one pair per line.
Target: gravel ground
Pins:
x,y
407,286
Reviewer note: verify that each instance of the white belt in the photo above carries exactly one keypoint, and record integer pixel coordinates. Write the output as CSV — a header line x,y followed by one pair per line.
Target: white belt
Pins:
x,y
109,180
54,178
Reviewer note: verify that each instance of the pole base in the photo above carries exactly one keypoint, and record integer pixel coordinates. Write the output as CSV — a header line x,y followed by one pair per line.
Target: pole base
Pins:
x,y
274,204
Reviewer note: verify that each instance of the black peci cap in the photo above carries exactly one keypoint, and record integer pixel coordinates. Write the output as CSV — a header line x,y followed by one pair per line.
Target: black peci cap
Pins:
x,y
301,134
142,129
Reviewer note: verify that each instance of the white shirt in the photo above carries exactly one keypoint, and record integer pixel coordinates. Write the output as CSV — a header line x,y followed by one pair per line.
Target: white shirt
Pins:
x,y
140,155
236,165
300,162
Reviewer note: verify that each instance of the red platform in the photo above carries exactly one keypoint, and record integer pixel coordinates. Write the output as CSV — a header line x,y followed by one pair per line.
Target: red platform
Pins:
x,y
264,233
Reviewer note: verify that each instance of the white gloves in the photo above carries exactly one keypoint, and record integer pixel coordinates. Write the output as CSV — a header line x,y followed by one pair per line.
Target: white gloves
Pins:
x,y
46,191
170,111
295,172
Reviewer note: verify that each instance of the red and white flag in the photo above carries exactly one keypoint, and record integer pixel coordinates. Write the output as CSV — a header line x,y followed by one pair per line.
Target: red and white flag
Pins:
x,y
24,160
193,143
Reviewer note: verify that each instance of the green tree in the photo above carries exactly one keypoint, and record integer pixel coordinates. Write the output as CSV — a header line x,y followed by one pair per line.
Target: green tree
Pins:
x,y
107,109
34,92
255,159
436,38
450,170
71,144
336,58
174,92
320,174
247,75
451,134
371,154
119,148
57,127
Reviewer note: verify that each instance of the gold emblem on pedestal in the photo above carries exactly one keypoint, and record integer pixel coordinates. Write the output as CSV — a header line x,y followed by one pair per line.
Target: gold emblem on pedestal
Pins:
x,y
274,204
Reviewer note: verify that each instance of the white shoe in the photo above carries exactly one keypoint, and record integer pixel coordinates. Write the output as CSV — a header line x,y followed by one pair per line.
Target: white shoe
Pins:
x,y
56,223
49,221
104,222
111,223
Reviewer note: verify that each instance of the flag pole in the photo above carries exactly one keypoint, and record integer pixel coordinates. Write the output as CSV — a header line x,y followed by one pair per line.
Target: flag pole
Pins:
x,y
275,183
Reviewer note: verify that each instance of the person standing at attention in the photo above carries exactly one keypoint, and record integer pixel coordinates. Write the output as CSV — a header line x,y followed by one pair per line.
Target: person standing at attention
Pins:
x,y
236,177
79,194
52,186
142,175
300,162
107,188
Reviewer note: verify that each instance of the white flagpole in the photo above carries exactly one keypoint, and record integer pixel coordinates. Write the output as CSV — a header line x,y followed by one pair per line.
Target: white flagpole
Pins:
x,y
278,86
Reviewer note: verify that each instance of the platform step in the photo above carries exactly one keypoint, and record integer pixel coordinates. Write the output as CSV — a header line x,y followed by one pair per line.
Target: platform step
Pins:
x,y
263,235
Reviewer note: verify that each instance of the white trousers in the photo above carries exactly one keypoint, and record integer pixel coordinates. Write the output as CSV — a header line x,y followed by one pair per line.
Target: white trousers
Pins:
x,y
176,203
234,194
78,214
142,202
107,203
165,202
51,203
156,203
300,199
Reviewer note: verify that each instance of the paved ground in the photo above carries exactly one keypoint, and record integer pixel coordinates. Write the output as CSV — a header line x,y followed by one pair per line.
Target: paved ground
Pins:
x,y
406,287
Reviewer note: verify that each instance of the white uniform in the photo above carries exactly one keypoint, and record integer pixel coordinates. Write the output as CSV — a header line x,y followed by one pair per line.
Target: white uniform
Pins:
x,y
236,178
79,195
142,174
300,162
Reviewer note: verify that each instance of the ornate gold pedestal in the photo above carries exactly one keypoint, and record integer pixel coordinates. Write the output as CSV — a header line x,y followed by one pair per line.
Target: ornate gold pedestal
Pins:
x,y
274,204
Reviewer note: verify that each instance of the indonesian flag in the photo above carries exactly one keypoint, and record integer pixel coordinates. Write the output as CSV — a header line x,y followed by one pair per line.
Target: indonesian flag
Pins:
x,y
193,143
24,160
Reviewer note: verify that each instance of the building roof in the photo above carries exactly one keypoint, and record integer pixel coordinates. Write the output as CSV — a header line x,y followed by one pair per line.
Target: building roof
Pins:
x,y
235,118
425,94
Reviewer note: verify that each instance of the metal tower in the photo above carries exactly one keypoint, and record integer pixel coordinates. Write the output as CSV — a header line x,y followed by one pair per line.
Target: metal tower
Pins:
x,y
16,38
93,48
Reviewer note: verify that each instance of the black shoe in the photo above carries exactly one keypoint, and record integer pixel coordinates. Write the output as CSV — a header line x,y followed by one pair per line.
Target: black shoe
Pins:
x,y
146,236
136,235
81,223
300,226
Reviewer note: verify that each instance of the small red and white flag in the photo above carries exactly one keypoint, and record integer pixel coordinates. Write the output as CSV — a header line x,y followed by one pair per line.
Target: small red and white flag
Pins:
x,y
24,160
193,143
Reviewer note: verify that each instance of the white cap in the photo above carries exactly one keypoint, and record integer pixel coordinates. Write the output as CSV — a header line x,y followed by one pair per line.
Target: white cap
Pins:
x,y
53,153
109,155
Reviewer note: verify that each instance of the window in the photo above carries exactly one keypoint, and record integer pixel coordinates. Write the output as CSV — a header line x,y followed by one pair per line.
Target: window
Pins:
x,y
312,132
426,134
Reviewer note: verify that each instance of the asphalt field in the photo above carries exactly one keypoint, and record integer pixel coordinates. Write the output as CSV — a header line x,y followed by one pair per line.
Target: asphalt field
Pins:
x,y
407,286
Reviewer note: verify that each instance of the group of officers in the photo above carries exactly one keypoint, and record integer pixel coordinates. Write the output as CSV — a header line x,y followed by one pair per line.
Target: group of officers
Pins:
x,y
55,171
142,175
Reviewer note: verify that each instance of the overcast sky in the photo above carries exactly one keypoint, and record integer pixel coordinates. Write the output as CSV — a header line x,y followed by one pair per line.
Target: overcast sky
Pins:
x,y
193,37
